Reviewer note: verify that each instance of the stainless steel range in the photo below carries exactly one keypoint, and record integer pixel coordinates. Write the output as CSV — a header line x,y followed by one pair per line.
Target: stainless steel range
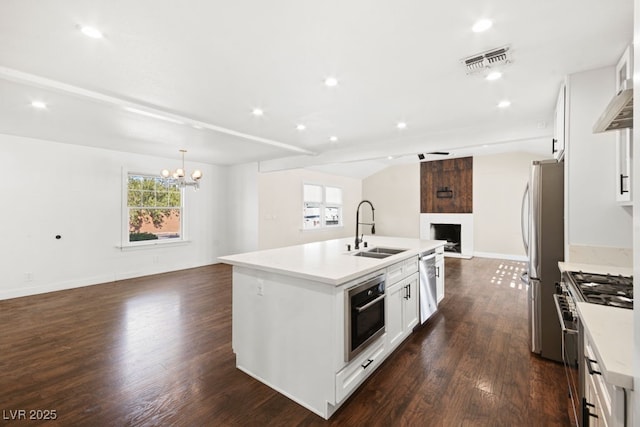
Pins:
x,y
603,289
616,291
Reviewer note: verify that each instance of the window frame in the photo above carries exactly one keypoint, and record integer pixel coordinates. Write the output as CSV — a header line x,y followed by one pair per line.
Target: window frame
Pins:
x,y
124,239
323,206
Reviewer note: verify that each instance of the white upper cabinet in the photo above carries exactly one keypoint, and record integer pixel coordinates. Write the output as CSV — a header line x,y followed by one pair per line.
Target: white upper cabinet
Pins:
x,y
559,131
624,137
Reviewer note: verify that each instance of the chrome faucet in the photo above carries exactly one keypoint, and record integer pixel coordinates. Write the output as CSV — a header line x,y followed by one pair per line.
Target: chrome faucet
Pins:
x,y
372,224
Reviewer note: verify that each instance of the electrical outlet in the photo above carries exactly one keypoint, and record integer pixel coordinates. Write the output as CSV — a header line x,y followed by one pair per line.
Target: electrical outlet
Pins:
x,y
28,277
260,287
156,259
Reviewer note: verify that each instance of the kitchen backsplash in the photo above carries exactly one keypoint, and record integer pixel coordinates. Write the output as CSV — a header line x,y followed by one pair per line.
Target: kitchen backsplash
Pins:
x,y
602,255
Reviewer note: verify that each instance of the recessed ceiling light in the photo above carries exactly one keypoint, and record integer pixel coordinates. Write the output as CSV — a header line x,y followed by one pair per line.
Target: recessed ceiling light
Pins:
x,y
257,112
331,81
39,104
504,104
390,157
300,126
401,125
333,138
481,25
91,32
494,75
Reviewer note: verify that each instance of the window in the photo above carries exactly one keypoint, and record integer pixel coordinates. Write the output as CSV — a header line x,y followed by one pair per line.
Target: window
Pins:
x,y
322,206
154,209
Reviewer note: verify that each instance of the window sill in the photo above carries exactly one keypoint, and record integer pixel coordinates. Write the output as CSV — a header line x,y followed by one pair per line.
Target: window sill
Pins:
x,y
327,228
154,245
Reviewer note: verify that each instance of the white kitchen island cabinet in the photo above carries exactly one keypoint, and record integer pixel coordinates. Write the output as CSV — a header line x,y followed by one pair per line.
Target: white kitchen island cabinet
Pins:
x,y
402,300
289,313
402,315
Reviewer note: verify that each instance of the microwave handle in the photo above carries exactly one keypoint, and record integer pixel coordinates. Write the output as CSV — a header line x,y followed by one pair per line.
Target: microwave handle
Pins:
x,y
369,304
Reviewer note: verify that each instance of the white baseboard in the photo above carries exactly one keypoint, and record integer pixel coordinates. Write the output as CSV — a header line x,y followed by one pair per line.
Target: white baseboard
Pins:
x,y
457,255
509,257
57,286
91,281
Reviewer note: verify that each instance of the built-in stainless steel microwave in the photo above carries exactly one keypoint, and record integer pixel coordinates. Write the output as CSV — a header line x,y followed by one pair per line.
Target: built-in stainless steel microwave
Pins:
x,y
364,315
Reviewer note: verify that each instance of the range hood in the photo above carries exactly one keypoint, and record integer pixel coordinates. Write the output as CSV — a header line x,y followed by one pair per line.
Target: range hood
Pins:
x,y
619,112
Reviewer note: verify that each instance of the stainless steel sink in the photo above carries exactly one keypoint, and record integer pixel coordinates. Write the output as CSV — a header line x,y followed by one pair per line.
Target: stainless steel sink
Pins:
x,y
390,251
378,255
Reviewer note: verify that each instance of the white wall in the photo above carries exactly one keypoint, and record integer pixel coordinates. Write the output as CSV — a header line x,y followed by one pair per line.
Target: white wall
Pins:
x,y
498,183
395,193
242,208
280,207
76,192
594,219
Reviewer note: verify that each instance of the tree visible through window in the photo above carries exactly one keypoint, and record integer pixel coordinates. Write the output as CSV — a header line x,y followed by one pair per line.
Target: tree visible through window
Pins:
x,y
154,209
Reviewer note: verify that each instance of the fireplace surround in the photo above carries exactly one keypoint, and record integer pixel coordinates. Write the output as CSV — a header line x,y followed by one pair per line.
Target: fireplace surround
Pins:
x,y
447,226
449,232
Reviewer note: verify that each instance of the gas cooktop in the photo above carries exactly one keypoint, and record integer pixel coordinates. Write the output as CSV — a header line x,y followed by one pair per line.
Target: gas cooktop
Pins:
x,y
616,291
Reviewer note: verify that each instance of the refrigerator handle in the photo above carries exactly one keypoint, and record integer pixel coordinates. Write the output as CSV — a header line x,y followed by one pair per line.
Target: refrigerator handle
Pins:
x,y
524,223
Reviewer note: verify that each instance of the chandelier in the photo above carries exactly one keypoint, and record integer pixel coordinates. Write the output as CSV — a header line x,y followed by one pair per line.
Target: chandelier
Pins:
x,y
177,177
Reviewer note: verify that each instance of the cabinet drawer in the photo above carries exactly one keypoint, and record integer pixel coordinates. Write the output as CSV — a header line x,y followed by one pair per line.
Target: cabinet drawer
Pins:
x,y
410,266
395,273
360,368
400,270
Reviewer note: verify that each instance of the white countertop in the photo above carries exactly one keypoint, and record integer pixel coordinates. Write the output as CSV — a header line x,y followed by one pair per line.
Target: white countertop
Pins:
x,y
610,331
595,268
328,261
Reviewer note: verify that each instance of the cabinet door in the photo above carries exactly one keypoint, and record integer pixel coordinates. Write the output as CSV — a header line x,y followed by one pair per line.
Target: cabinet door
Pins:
x,y
558,142
624,67
410,313
623,165
439,279
394,322
624,137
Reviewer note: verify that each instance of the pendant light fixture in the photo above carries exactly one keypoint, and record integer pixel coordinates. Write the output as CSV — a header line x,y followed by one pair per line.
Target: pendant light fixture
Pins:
x,y
177,177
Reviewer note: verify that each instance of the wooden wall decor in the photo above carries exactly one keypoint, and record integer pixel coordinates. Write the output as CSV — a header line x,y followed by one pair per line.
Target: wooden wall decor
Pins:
x,y
446,186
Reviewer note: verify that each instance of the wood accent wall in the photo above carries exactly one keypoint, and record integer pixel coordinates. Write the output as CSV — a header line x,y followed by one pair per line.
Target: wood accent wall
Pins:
x,y
446,186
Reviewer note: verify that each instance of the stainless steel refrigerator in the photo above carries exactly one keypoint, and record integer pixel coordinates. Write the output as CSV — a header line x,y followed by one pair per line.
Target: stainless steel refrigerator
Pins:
x,y
543,237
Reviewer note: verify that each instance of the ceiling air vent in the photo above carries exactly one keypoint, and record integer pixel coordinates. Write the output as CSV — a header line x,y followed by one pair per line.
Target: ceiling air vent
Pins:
x,y
490,58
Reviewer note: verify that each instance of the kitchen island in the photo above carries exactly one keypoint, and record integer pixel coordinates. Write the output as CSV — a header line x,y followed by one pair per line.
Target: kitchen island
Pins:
x,y
291,311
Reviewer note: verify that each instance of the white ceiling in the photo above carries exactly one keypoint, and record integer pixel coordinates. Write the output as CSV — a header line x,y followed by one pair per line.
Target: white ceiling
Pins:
x,y
209,63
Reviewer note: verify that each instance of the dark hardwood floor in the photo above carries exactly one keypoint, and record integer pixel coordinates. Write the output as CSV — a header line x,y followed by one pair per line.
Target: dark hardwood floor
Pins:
x,y
157,351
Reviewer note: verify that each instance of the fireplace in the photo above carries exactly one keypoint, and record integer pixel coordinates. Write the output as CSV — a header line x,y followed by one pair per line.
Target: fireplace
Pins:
x,y
454,228
450,233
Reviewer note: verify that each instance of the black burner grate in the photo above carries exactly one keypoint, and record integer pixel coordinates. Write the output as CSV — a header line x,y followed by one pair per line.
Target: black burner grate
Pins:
x,y
616,291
